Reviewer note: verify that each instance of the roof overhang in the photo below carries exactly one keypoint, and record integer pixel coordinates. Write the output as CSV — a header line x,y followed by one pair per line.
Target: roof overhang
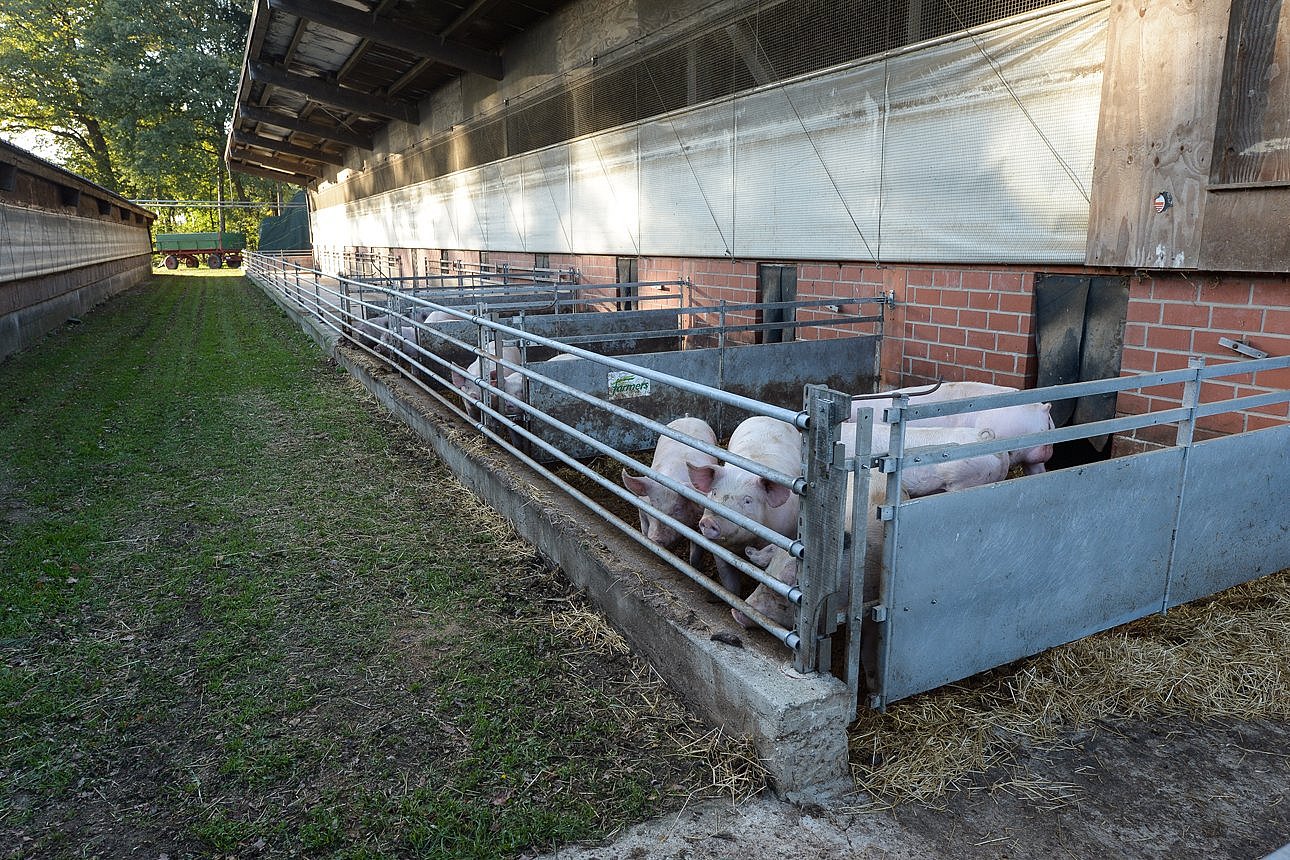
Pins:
x,y
322,76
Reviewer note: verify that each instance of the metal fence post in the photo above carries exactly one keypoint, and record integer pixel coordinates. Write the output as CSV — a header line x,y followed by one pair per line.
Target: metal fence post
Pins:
x,y
822,577
857,525
1183,439
893,467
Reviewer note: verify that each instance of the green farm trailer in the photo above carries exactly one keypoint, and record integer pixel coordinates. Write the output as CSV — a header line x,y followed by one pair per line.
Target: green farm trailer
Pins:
x,y
195,249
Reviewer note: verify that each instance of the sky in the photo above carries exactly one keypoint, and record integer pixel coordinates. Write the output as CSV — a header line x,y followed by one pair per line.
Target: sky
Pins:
x,y
38,143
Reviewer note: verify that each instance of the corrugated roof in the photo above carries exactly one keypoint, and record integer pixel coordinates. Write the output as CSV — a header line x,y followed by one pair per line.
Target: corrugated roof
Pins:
x,y
320,76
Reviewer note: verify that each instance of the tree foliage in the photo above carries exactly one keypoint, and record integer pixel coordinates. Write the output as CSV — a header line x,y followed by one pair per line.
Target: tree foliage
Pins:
x,y
138,93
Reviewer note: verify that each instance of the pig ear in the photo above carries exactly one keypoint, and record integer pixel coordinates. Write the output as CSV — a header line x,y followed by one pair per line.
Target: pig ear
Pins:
x,y
702,477
760,557
458,377
776,495
637,484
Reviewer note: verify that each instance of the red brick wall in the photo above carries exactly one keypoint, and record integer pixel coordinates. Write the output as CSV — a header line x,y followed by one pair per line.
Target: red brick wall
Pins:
x,y
1172,317
977,322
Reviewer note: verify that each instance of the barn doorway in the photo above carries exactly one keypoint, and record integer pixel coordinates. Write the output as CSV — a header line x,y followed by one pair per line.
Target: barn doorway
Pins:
x,y
776,283
1079,334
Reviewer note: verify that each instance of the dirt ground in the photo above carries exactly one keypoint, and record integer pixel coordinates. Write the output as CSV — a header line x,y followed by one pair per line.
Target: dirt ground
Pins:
x,y
1171,789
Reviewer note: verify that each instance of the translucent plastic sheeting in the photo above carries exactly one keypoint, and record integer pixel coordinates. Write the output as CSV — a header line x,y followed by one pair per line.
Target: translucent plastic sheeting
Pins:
x,y
976,148
35,242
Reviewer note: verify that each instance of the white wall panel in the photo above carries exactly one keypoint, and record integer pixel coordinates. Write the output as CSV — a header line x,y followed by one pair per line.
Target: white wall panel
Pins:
x,y
603,186
978,149
547,213
687,165
35,242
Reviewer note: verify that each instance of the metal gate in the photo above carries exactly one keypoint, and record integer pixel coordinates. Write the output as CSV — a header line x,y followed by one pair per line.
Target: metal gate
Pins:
x,y
978,578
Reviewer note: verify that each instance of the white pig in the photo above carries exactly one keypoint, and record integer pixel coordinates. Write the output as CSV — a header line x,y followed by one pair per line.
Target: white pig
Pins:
x,y
671,458
1005,422
782,566
939,476
512,381
771,443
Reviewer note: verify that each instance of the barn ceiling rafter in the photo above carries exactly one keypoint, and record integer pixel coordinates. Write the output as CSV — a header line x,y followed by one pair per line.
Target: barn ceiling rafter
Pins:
x,y
322,75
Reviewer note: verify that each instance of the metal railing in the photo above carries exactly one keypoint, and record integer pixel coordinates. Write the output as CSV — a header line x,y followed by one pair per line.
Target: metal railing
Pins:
x,y
345,305
829,593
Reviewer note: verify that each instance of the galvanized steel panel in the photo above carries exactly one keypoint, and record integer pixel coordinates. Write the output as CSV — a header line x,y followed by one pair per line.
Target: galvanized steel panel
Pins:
x,y
991,574
1235,520
619,331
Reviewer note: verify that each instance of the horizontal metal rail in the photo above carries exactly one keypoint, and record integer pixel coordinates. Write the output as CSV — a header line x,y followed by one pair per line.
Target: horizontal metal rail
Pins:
x,y
782,634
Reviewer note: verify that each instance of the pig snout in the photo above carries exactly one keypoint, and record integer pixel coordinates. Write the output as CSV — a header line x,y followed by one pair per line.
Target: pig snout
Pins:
x,y
709,527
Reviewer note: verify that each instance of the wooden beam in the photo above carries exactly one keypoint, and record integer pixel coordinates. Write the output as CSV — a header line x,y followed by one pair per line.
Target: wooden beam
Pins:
x,y
319,90
417,43
287,148
290,123
274,162
467,14
266,173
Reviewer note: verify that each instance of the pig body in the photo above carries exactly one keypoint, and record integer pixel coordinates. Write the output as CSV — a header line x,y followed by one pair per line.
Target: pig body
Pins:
x,y
512,381
771,443
1005,422
370,332
440,316
671,458
782,566
937,477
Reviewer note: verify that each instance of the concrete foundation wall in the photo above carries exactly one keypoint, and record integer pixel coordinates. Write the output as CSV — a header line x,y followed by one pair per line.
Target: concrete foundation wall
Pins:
x,y
31,308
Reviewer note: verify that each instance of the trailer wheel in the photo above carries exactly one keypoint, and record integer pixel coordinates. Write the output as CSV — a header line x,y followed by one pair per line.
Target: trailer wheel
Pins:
x,y
190,261
171,262
233,261
215,261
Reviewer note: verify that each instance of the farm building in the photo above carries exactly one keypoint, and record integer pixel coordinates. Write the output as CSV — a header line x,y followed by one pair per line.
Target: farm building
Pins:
x,y
860,196
66,244
1049,196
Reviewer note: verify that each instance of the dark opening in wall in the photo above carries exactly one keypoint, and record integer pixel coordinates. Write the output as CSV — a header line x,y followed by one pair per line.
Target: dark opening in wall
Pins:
x,y
125,214
68,196
541,261
8,177
105,208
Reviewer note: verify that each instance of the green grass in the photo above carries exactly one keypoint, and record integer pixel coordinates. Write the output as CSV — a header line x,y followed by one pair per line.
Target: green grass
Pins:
x,y
243,611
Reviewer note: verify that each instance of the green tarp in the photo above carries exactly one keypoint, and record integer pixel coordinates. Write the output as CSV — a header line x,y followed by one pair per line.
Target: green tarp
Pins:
x,y
289,232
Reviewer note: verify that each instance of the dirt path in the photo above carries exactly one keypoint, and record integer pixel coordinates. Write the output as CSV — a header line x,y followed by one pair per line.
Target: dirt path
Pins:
x,y
1169,789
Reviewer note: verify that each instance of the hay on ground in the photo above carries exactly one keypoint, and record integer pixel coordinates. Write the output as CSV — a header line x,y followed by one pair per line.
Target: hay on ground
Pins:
x,y
1224,657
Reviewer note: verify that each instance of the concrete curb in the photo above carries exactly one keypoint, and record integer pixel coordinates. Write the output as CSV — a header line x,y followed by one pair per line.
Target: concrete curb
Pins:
x,y
798,724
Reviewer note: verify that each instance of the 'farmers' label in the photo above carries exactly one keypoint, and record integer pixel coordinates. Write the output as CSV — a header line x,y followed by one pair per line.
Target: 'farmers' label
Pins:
x,y
623,385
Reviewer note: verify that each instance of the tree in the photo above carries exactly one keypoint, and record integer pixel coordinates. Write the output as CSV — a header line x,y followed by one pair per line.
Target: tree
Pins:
x,y
139,92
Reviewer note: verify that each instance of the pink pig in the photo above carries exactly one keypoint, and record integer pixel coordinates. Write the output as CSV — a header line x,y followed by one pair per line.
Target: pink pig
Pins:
x,y
671,458
771,443
1004,422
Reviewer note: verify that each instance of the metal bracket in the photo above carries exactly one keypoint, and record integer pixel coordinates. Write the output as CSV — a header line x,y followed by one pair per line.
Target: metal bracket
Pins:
x,y
1243,348
886,513
878,613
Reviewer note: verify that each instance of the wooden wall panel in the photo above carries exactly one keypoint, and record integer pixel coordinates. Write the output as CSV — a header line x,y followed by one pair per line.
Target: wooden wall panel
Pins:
x,y
1159,107
1247,231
